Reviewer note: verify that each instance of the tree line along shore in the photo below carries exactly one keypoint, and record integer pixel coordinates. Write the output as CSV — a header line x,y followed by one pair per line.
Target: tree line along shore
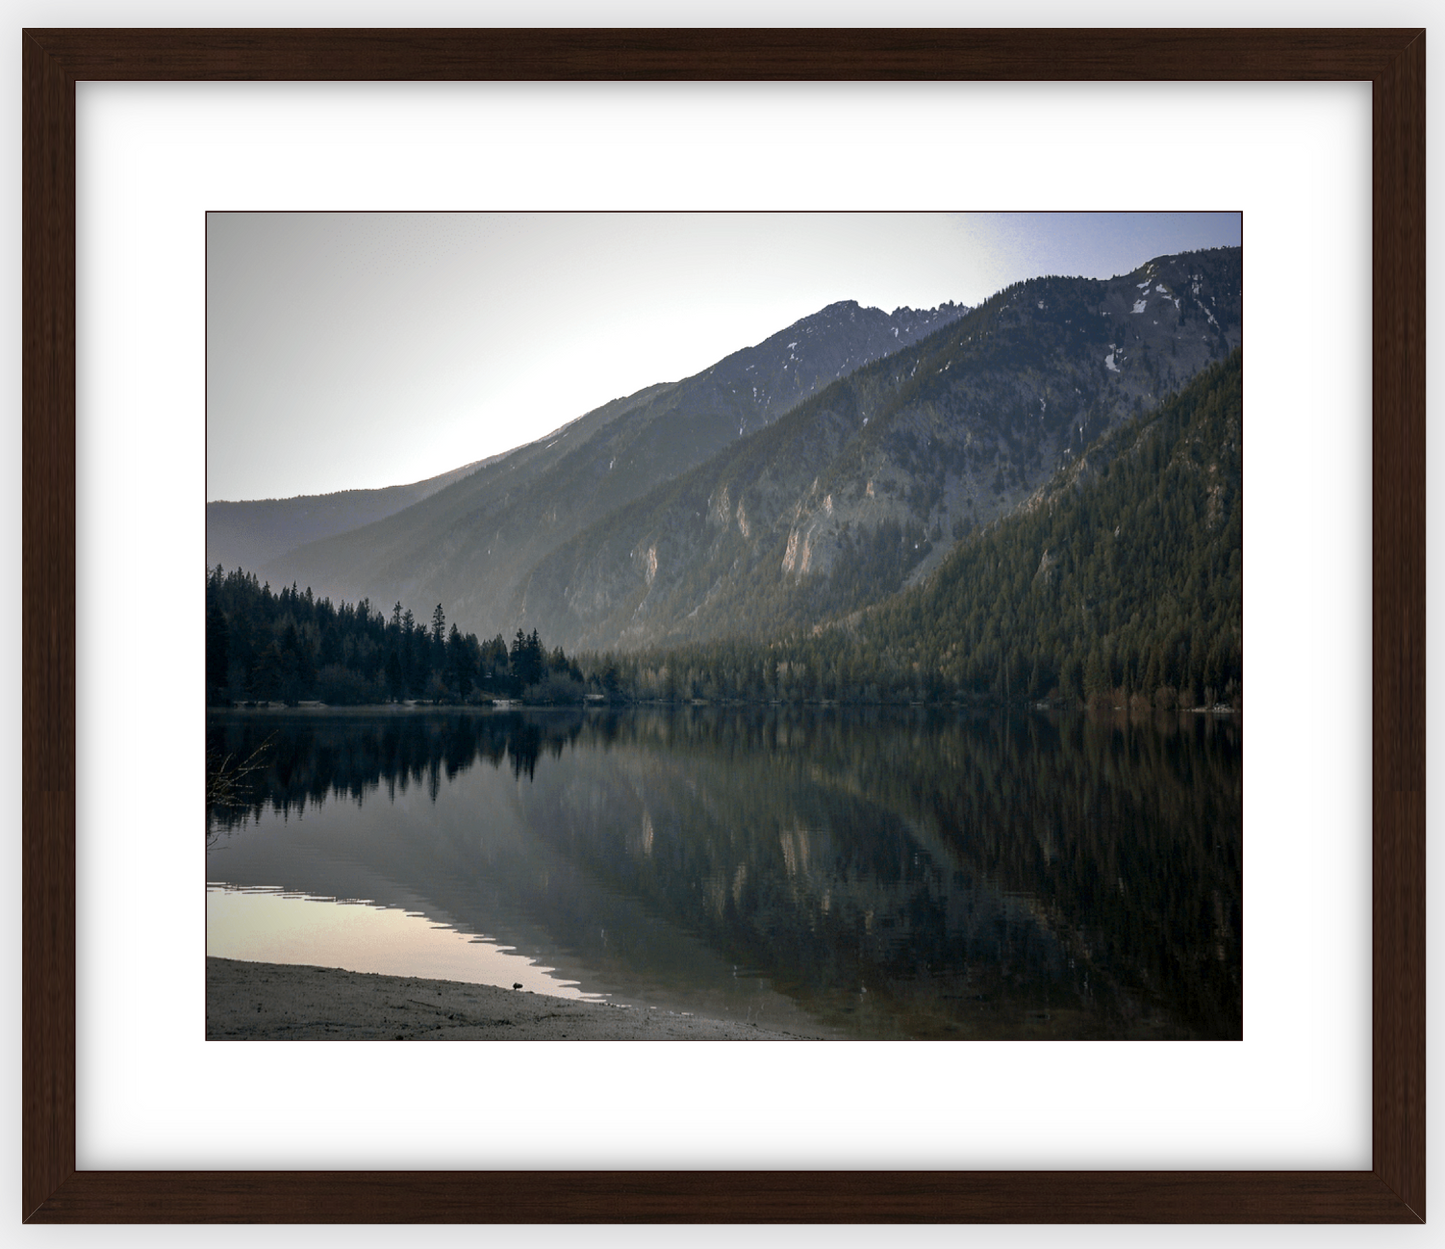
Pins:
x,y
1119,584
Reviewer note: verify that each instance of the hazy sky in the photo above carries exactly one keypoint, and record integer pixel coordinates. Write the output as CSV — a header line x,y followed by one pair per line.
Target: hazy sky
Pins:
x,y
362,350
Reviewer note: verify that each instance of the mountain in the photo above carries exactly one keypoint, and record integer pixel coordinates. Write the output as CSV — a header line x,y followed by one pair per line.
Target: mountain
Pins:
x,y
797,481
1122,576
866,486
253,532
1119,581
474,544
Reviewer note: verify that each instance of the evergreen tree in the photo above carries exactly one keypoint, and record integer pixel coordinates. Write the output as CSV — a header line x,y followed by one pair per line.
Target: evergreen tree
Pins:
x,y
218,654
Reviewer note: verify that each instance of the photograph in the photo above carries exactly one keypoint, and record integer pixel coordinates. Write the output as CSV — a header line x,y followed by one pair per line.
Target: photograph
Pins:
x,y
720,526
724,626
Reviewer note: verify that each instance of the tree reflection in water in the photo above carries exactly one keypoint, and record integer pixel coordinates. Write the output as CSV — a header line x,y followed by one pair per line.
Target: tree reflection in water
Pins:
x,y
896,872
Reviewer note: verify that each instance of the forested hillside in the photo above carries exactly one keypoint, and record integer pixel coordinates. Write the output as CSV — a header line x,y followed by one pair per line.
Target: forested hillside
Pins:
x,y
1121,580
1125,575
866,486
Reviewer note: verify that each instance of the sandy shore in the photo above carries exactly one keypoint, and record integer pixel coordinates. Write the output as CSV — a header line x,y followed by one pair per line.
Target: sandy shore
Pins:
x,y
276,1002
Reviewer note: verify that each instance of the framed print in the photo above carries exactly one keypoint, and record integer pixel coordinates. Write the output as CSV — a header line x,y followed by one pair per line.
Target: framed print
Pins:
x,y
59,66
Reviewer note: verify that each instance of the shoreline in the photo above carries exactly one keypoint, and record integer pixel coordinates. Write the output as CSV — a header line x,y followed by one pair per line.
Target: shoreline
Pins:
x,y
248,1001
515,706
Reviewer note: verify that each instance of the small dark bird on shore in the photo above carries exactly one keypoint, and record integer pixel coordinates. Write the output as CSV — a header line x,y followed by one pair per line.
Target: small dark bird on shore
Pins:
x,y
518,985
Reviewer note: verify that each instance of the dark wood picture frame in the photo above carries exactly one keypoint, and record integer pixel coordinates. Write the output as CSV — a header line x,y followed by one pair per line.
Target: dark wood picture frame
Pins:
x,y
53,1190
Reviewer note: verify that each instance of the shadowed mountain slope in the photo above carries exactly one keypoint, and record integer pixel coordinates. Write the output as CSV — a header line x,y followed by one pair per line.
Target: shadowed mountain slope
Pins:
x,y
866,486
253,532
1119,582
474,544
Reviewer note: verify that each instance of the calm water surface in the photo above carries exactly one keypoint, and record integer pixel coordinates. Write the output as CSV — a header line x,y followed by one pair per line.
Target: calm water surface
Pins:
x,y
883,873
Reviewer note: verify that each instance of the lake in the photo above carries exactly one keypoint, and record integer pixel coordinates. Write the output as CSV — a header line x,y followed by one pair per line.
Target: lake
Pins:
x,y
880,873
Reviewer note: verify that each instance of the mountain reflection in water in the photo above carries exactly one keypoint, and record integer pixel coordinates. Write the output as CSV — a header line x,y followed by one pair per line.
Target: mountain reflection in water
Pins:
x,y
880,873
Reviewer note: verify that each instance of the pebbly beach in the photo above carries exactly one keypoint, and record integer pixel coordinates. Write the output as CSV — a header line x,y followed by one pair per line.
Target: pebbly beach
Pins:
x,y
248,1001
